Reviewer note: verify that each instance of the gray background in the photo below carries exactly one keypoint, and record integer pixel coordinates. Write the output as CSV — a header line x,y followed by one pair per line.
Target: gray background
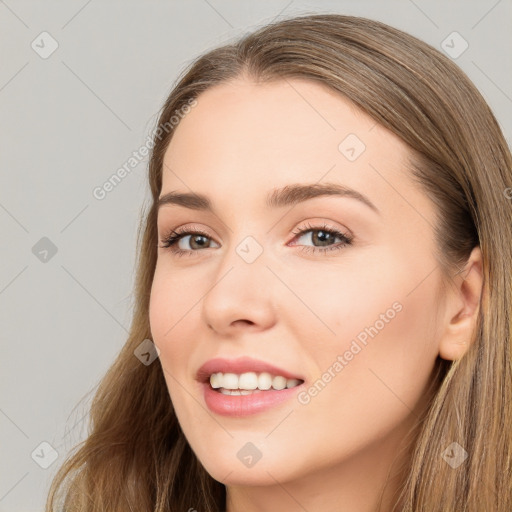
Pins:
x,y
68,122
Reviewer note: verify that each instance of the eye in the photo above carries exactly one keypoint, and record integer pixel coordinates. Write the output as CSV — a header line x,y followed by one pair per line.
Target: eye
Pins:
x,y
325,236
197,239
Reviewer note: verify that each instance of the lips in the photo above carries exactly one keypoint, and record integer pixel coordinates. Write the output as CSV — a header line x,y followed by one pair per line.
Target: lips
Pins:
x,y
241,365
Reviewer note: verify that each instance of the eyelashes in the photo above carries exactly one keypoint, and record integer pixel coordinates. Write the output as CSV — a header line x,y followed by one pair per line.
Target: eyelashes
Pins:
x,y
323,233
171,240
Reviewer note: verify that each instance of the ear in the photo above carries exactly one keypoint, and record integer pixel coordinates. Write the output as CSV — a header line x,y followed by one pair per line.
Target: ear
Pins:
x,y
462,308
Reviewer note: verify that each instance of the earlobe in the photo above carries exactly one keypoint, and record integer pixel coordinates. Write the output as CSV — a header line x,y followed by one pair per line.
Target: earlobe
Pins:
x,y
462,308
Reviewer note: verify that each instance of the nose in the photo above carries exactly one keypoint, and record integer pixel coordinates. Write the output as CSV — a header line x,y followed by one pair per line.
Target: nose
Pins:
x,y
240,296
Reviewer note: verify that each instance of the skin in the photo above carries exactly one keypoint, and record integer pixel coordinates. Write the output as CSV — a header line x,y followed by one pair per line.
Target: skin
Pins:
x,y
300,310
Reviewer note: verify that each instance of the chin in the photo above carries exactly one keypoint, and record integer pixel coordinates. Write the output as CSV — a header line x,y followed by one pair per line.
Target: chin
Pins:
x,y
231,471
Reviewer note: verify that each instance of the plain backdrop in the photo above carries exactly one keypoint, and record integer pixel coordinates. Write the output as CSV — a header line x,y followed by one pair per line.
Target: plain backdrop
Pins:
x,y
80,85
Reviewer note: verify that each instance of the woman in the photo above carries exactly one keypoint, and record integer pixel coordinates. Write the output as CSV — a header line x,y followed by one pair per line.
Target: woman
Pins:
x,y
325,273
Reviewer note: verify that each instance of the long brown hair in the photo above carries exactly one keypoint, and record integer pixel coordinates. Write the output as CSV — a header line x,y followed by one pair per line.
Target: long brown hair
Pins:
x,y
137,458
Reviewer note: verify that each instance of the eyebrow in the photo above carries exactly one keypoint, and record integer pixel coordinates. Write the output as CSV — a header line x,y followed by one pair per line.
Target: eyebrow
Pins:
x,y
288,195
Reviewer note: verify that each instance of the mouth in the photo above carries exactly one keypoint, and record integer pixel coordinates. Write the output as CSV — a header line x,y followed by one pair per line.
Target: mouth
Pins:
x,y
249,383
245,386
245,373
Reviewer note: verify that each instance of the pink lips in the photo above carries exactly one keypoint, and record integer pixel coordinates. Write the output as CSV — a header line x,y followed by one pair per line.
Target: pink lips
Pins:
x,y
243,405
240,365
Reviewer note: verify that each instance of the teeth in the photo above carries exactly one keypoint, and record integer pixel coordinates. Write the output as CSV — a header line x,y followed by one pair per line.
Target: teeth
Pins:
x,y
238,391
264,381
246,383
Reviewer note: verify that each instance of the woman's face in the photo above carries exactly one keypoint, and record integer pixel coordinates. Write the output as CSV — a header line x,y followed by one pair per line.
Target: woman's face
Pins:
x,y
357,322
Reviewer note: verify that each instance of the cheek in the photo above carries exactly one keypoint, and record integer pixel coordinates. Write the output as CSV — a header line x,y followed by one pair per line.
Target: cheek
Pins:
x,y
171,313
170,309
372,346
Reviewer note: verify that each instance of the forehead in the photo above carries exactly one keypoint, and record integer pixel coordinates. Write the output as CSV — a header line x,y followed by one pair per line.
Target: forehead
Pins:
x,y
251,137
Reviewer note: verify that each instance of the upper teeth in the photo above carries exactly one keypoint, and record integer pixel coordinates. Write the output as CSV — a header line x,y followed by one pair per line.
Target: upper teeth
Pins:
x,y
251,380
